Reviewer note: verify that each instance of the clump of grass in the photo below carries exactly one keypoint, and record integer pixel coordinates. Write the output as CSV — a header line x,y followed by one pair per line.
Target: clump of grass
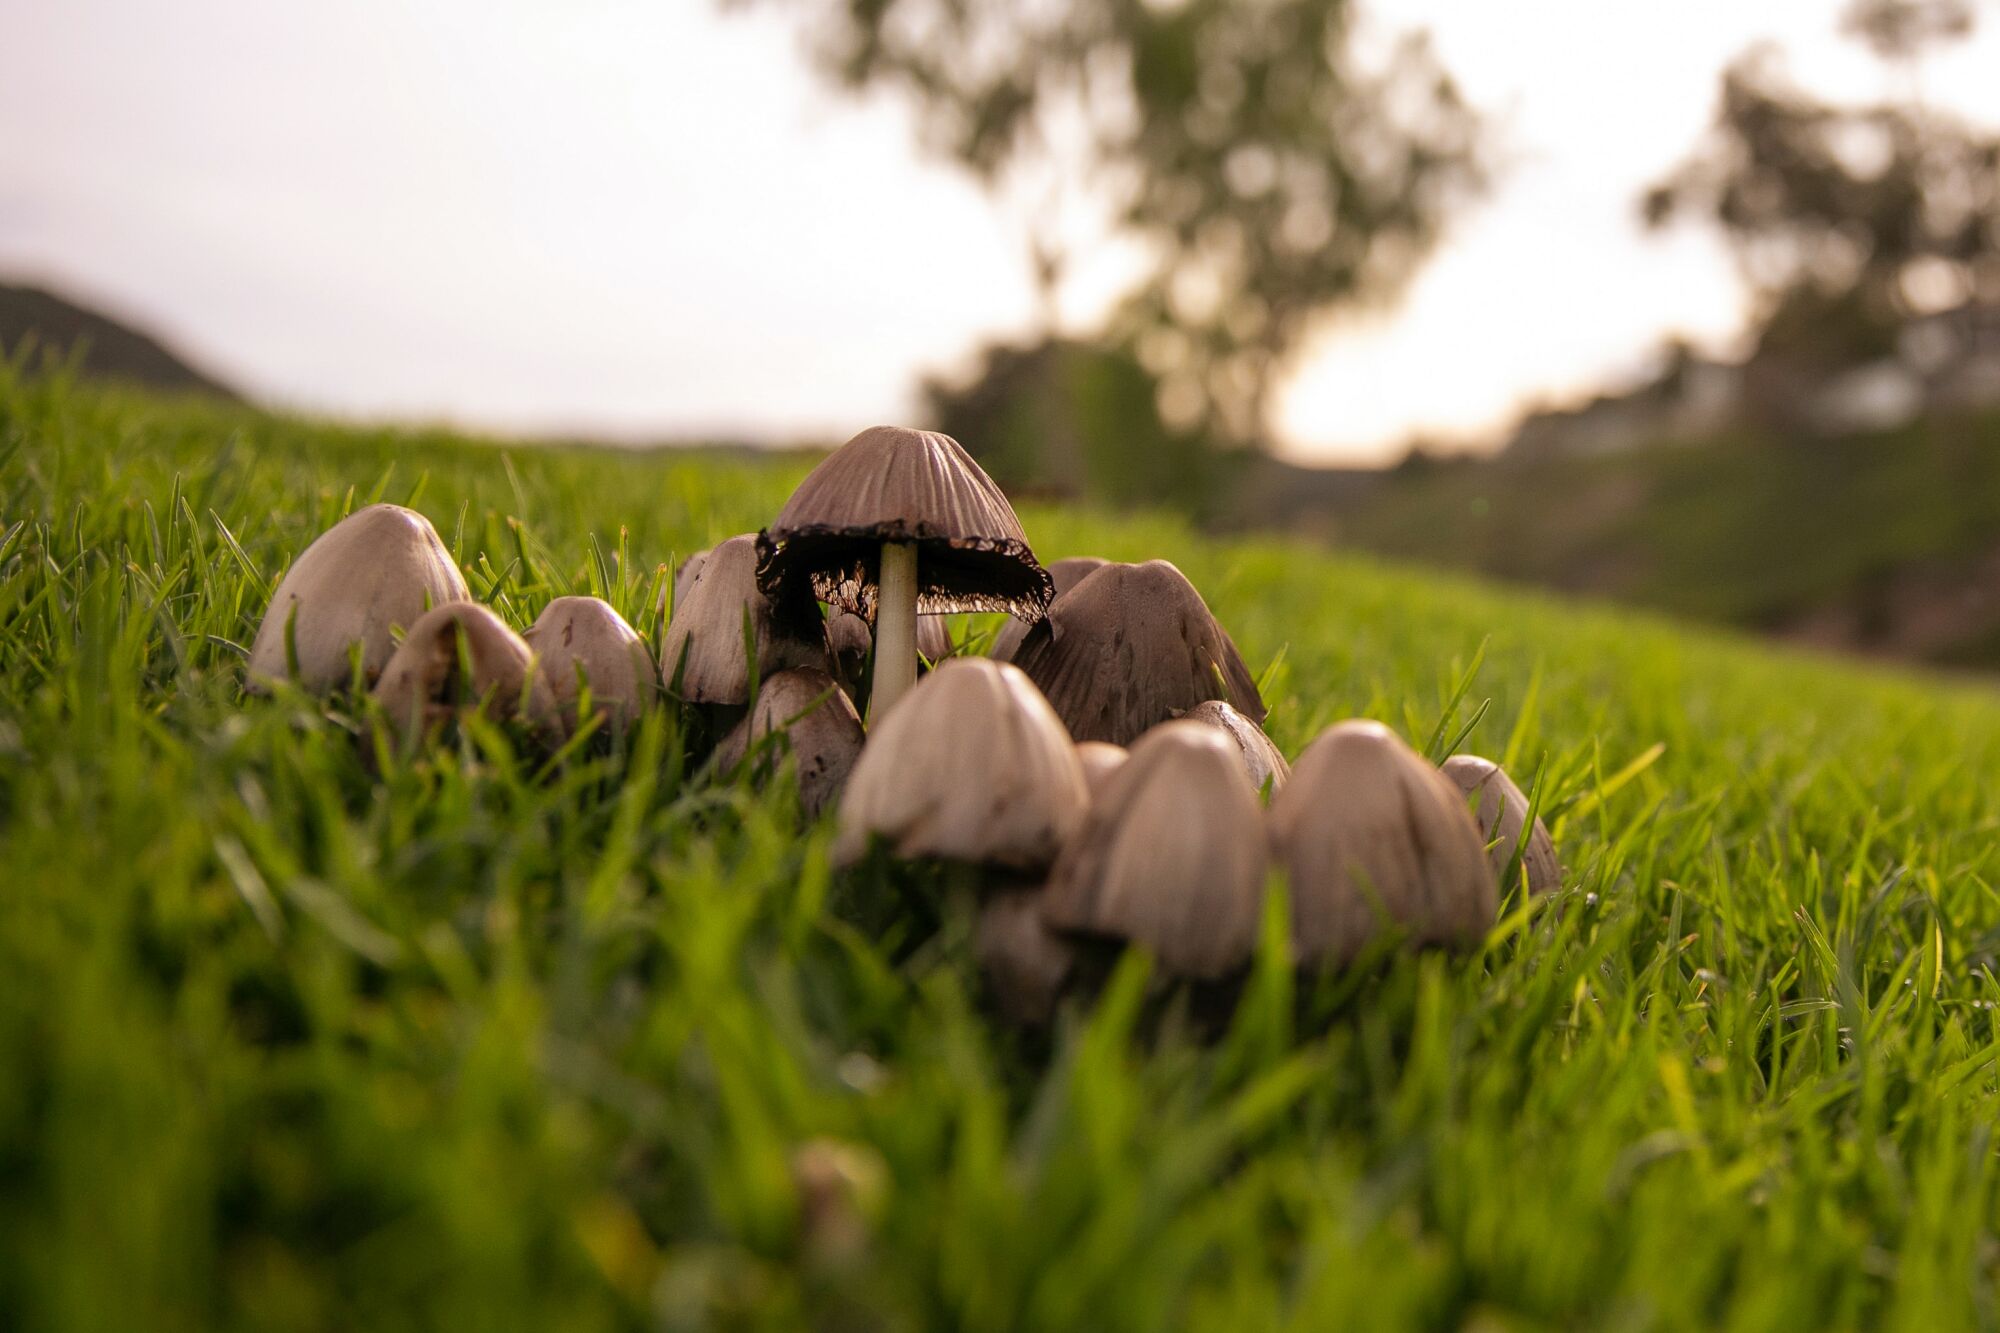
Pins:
x,y
295,1034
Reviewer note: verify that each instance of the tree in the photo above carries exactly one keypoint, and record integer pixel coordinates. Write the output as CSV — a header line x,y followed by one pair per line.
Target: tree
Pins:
x,y
1241,146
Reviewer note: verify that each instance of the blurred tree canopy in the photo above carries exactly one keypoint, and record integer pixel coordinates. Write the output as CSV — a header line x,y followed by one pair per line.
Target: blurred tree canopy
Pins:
x,y
1263,170
1846,220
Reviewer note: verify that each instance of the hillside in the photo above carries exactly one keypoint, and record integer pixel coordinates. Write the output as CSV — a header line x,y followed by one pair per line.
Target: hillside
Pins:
x,y
43,324
297,1033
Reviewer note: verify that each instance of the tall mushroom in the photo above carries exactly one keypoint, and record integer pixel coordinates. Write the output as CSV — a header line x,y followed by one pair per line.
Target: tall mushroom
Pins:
x,y
375,571
704,640
1131,646
1065,573
893,522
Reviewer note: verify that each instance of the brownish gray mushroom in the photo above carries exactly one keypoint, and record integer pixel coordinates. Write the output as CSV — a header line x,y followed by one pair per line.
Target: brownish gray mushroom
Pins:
x,y
1502,813
1172,856
1129,647
584,643
1100,760
820,727
707,627
461,658
1369,833
1064,574
895,522
971,767
1262,760
849,641
684,577
1026,963
375,571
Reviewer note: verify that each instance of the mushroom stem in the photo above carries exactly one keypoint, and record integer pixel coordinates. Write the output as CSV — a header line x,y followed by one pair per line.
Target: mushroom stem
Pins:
x,y
895,627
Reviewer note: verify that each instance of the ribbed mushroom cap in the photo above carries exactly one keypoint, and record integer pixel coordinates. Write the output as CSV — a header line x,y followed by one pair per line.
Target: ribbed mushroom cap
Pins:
x,y
1502,812
378,568
892,484
427,680
1366,828
708,625
1100,760
1027,965
583,640
1263,761
1132,646
1171,857
970,766
1064,574
820,725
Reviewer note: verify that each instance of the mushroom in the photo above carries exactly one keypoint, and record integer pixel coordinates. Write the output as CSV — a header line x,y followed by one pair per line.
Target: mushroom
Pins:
x,y
1027,965
819,725
378,569
1368,831
893,522
583,641
972,767
707,627
849,640
458,656
1100,760
1263,761
1064,574
1131,646
1171,856
684,577
1502,813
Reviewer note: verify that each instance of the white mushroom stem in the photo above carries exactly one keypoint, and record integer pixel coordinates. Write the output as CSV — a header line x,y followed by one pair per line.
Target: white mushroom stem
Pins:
x,y
895,627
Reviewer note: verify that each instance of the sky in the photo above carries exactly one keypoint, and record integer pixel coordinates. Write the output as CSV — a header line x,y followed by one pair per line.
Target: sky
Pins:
x,y
646,219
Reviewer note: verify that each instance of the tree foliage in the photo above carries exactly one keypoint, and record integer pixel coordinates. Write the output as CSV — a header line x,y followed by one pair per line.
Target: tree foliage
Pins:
x,y
1265,171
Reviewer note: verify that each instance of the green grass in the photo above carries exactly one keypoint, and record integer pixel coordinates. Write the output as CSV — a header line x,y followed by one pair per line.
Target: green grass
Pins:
x,y
477,1041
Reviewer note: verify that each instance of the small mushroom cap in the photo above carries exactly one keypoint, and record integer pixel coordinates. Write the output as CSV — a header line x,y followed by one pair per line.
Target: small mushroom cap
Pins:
x,y
708,626
1502,812
1064,574
891,484
1367,828
583,640
1171,857
970,765
378,569
1027,965
1100,760
1262,760
1129,647
819,724
426,681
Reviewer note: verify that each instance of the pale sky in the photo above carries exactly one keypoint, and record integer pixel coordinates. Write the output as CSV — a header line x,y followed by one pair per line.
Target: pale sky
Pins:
x,y
646,219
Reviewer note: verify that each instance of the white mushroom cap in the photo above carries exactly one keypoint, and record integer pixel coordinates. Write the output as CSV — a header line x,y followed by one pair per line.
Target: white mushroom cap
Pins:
x,y
1171,857
583,640
708,625
1367,829
820,726
1502,813
1100,760
376,570
427,681
1262,760
1026,964
971,765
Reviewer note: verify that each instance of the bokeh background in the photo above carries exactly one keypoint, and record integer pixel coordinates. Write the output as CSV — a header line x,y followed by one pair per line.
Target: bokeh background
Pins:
x,y
1696,306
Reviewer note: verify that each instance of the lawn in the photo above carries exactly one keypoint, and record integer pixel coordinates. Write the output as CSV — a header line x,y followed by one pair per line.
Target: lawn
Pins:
x,y
295,1033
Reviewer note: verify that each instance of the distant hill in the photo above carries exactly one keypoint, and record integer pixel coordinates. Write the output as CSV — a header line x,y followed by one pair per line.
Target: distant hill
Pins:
x,y
110,350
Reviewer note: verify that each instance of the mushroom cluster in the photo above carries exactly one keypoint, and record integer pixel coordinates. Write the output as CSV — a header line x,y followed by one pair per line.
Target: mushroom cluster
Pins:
x,y
1103,777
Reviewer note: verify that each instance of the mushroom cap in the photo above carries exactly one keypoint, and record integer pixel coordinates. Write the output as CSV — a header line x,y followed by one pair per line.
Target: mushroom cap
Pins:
x,y
1172,855
1367,827
1129,647
820,726
1100,759
892,484
971,765
849,640
1263,761
684,577
378,569
1501,813
425,681
1065,574
708,625
584,640
1026,964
